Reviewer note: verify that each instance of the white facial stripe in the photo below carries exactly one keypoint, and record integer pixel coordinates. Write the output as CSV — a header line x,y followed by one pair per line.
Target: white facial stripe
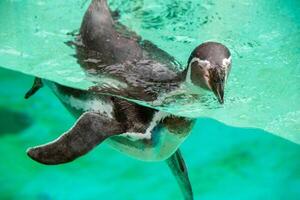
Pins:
x,y
203,63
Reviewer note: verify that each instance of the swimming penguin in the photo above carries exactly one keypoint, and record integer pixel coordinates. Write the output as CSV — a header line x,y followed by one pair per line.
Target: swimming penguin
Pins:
x,y
106,47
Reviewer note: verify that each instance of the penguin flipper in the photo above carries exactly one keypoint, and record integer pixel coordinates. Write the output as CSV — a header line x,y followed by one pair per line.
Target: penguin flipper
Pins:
x,y
37,84
89,130
179,170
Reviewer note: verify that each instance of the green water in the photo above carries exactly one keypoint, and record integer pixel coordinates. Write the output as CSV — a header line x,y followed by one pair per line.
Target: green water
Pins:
x,y
224,162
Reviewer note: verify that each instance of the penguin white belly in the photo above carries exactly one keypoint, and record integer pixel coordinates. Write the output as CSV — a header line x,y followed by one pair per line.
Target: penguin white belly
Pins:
x,y
157,143
160,146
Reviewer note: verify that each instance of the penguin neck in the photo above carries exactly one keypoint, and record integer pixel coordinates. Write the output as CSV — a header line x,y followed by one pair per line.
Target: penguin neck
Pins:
x,y
187,83
188,78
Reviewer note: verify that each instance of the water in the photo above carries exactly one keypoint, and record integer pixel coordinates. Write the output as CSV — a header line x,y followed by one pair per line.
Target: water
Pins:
x,y
224,162
264,39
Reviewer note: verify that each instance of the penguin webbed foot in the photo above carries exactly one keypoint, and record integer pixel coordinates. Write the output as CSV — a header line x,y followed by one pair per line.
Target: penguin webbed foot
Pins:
x,y
177,165
89,131
37,84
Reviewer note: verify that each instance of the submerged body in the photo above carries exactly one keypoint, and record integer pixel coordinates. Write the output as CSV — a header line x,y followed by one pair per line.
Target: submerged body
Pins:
x,y
104,47
148,134
139,70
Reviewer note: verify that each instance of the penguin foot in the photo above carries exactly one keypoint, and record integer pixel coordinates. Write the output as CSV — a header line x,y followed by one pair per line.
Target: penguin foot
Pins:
x,y
179,170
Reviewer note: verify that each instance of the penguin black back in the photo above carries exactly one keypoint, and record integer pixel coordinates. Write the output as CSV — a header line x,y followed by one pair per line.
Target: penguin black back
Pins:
x,y
106,47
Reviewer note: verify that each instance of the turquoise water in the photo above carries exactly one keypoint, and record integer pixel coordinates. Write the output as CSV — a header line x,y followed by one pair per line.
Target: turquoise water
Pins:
x,y
224,162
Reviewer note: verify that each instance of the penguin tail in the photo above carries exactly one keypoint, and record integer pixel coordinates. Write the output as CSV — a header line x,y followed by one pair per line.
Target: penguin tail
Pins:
x,y
37,84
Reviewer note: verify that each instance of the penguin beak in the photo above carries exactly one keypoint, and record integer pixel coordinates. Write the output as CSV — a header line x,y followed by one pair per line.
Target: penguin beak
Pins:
x,y
218,90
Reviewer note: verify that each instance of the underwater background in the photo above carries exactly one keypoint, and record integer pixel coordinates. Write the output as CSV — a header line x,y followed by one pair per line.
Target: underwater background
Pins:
x,y
224,162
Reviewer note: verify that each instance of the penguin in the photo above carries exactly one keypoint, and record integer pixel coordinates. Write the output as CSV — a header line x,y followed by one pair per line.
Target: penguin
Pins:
x,y
145,72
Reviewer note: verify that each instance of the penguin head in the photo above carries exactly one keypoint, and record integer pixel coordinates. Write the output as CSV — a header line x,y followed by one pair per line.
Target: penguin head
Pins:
x,y
208,68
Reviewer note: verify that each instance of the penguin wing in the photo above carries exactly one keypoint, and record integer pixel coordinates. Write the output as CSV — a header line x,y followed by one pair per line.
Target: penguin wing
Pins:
x,y
90,130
